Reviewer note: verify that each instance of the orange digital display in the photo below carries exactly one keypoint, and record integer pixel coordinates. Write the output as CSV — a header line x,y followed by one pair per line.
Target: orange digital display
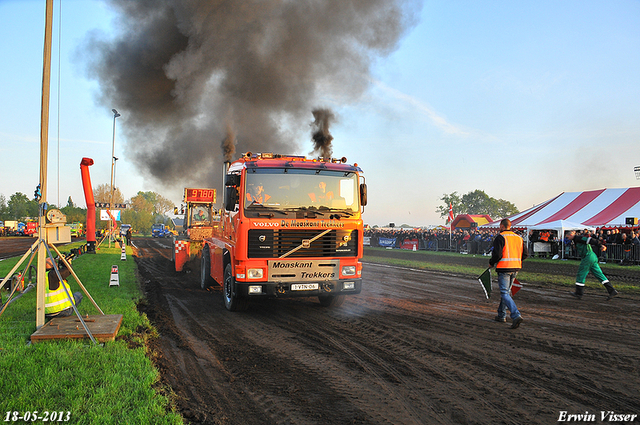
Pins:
x,y
200,195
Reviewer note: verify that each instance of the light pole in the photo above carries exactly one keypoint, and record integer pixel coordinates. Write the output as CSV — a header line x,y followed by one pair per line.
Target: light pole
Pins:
x,y
115,173
115,177
113,163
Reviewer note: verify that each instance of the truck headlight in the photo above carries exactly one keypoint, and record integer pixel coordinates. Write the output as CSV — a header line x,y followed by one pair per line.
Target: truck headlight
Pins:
x,y
255,289
349,286
349,271
255,273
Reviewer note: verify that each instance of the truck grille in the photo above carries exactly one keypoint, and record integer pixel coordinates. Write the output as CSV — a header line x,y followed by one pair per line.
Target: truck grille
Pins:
x,y
267,243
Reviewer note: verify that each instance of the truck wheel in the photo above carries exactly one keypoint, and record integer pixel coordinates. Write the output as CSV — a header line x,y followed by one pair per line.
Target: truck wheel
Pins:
x,y
231,301
205,270
331,300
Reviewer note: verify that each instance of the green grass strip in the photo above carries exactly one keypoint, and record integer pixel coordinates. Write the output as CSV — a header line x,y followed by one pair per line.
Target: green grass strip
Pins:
x,y
436,261
111,383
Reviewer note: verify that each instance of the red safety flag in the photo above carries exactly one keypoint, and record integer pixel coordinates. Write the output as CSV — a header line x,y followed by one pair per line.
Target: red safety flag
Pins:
x,y
515,287
450,213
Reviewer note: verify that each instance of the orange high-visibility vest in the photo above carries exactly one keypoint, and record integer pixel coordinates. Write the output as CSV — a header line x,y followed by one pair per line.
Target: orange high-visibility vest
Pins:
x,y
512,251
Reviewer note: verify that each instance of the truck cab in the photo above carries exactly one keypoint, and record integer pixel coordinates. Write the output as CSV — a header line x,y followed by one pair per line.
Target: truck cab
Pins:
x,y
159,230
124,228
290,227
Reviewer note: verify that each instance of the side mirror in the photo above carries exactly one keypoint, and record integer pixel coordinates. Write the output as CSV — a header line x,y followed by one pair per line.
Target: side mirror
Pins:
x,y
230,198
232,180
363,194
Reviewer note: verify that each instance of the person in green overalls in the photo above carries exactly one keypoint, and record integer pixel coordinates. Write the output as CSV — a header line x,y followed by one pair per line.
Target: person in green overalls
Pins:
x,y
589,263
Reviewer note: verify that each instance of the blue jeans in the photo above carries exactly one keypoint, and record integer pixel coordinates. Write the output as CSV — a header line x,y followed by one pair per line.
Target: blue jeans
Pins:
x,y
505,280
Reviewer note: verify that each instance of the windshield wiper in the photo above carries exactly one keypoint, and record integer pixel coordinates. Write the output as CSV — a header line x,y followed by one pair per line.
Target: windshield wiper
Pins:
x,y
255,206
338,210
312,210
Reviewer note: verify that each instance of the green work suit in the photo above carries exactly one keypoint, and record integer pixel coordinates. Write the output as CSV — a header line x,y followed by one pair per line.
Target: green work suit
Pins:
x,y
588,262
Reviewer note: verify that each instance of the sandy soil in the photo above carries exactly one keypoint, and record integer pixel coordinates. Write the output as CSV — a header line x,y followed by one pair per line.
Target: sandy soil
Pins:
x,y
415,347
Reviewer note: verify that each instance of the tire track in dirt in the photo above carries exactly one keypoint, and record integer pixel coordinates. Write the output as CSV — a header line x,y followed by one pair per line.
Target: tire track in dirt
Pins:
x,y
415,347
591,351
363,375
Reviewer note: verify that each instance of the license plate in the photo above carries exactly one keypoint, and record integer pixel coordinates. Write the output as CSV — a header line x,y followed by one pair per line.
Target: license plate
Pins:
x,y
304,286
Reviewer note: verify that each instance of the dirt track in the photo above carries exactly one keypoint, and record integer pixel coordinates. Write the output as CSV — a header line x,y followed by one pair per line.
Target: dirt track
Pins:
x,y
414,348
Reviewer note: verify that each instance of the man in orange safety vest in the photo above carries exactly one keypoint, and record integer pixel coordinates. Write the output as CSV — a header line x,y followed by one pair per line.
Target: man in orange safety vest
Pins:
x,y
509,251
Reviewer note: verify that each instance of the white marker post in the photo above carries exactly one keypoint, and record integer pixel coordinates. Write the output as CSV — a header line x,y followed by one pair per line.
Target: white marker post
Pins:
x,y
115,278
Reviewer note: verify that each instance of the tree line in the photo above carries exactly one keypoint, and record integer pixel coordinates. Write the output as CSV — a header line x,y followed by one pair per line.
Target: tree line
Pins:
x,y
143,210
476,202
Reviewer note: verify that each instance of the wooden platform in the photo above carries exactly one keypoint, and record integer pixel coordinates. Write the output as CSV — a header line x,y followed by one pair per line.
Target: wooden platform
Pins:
x,y
102,327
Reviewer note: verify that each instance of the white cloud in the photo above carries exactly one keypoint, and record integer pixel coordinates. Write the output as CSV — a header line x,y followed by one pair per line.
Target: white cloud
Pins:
x,y
423,108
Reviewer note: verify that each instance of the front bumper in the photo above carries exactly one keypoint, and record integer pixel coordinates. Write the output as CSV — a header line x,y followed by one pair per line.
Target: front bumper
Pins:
x,y
287,289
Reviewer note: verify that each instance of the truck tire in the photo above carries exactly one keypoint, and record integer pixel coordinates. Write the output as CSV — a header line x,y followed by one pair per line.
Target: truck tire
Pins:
x,y
231,301
205,270
331,301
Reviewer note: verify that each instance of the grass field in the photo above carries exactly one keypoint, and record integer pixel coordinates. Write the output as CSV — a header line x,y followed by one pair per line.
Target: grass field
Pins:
x,y
110,383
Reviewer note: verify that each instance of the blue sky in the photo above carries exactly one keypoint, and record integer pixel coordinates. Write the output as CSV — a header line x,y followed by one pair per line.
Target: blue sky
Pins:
x,y
523,100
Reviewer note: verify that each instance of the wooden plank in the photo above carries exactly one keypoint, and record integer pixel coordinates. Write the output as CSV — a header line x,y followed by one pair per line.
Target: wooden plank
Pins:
x,y
103,328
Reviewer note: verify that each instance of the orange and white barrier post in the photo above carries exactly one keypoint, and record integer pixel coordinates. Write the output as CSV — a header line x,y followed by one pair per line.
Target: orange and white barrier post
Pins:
x,y
115,277
181,254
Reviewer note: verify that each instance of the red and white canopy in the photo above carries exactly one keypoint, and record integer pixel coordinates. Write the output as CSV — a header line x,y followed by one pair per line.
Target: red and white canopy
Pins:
x,y
594,208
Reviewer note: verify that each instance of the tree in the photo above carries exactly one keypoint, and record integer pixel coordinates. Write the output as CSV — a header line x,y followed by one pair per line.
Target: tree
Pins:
x,y
505,208
140,221
141,203
160,204
75,214
20,207
476,202
451,199
101,194
146,208
4,210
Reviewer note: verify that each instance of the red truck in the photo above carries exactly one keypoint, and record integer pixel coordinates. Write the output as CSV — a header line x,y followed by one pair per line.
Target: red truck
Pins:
x,y
289,227
31,228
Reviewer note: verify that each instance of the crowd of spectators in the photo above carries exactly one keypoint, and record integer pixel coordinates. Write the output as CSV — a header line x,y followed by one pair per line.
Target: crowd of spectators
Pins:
x,y
623,244
472,241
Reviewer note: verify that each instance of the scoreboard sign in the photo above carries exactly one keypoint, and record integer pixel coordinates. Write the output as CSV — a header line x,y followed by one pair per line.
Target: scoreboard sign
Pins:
x,y
200,195
106,205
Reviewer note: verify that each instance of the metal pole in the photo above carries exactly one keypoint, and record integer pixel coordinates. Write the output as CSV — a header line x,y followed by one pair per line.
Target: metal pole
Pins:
x,y
113,152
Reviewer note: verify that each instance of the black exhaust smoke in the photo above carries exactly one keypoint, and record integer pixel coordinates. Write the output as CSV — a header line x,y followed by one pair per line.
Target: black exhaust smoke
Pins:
x,y
181,71
228,144
321,136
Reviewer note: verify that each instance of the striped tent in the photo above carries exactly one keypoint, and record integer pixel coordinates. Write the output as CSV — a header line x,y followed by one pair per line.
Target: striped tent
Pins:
x,y
594,208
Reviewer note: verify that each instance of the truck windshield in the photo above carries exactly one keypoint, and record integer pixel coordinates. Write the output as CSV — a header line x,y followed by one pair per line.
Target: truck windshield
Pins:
x,y
301,189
